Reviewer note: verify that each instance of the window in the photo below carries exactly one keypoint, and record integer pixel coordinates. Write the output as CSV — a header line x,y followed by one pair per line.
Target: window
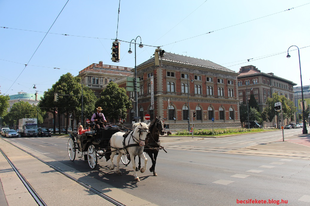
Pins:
x,y
170,87
240,83
247,82
209,79
149,88
184,88
230,93
197,77
231,113
221,113
105,81
89,80
210,113
230,82
255,81
221,81
141,89
197,89
220,92
171,112
170,74
141,114
198,113
149,75
185,112
184,76
209,91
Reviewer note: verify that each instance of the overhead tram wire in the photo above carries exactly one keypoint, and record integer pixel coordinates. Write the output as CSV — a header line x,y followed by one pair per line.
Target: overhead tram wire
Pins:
x,y
238,24
119,11
38,46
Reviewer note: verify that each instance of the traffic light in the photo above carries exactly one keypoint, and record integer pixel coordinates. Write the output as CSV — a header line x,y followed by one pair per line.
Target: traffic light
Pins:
x,y
194,114
55,97
115,51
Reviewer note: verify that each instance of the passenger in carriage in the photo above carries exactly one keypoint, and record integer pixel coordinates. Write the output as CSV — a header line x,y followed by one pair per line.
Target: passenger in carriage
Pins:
x,y
98,118
81,130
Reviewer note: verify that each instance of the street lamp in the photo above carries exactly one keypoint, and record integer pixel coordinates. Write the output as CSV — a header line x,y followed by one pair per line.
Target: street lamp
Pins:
x,y
135,80
304,130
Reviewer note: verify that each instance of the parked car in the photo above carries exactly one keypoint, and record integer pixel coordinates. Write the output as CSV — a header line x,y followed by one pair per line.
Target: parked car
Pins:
x,y
3,131
11,133
43,132
298,126
288,126
253,124
293,125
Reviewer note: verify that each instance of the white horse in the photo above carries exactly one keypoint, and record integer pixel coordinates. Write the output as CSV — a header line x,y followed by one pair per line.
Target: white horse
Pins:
x,y
133,144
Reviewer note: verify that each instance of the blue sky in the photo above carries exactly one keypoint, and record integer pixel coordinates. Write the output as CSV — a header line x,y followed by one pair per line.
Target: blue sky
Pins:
x,y
223,31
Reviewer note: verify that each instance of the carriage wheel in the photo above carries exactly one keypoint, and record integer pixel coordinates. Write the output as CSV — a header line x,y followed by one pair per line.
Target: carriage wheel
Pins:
x,y
71,149
124,159
92,156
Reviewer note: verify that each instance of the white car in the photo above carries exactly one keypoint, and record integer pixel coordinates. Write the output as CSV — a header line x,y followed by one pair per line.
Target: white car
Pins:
x,y
3,130
11,133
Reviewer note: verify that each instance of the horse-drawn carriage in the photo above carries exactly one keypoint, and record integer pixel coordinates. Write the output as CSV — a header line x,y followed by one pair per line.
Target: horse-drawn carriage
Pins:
x,y
112,140
92,145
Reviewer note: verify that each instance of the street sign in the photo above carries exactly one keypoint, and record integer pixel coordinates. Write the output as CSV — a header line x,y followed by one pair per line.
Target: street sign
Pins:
x,y
87,121
147,117
212,119
278,106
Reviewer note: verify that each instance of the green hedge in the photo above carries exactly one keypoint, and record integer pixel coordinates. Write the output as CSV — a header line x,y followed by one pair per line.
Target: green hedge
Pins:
x,y
206,132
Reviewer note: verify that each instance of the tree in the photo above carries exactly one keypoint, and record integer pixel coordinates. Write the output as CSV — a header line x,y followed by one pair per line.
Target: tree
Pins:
x,y
21,110
4,104
114,102
69,101
288,108
253,103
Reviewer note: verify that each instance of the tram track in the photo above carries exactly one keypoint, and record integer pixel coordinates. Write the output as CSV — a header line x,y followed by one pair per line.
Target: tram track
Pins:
x,y
35,194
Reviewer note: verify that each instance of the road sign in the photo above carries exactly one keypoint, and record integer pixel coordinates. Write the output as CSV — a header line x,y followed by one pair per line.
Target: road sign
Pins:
x,y
147,117
212,119
277,106
87,121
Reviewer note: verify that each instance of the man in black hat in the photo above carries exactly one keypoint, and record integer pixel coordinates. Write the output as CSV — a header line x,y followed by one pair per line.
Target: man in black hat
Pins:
x,y
98,117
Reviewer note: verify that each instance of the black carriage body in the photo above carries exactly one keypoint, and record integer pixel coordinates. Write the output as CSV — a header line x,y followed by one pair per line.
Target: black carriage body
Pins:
x,y
99,138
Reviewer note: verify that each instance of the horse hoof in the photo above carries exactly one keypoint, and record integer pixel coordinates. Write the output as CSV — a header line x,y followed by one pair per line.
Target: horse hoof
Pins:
x,y
111,168
118,172
137,179
142,170
155,174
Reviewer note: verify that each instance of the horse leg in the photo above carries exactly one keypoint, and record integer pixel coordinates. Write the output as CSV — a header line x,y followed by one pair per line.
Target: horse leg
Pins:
x,y
133,162
111,158
139,165
145,162
117,165
150,153
154,162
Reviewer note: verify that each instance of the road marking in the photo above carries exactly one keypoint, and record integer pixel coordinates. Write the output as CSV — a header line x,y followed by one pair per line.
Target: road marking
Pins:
x,y
277,163
255,171
223,182
285,160
267,166
305,198
240,176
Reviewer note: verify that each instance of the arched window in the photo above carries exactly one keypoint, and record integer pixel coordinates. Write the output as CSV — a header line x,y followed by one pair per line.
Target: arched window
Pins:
x,y
221,111
210,113
198,113
185,112
171,112
231,113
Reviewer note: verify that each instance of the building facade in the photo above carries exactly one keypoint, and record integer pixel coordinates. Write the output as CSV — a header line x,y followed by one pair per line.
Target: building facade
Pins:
x,y
298,100
32,99
96,76
186,91
262,85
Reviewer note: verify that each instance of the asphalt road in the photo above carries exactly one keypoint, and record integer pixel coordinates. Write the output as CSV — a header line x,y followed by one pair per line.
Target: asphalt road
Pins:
x,y
201,171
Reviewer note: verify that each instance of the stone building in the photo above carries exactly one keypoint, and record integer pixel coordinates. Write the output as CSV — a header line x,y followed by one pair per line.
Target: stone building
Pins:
x,y
96,76
186,91
262,85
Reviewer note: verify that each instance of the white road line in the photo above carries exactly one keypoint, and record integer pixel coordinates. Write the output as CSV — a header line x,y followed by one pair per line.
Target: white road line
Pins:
x,y
255,171
304,198
223,182
267,166
240,176
277,163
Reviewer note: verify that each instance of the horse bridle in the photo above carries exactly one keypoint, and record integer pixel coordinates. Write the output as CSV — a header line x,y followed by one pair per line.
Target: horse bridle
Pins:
x,y
140,131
